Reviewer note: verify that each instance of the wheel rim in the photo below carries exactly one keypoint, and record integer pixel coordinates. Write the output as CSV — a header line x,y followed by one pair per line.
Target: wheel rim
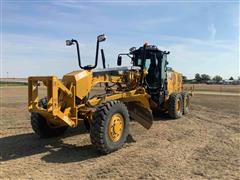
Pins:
x,y
115,128
178,107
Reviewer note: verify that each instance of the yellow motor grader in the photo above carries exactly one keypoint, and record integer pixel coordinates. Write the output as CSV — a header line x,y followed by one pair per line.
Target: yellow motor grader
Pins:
x,y
130,93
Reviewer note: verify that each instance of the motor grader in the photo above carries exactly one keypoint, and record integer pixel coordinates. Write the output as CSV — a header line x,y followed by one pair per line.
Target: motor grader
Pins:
x,y
138,92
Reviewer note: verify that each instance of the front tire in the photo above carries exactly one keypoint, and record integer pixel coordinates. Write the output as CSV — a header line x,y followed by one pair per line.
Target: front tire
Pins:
x,y
43,128
109,129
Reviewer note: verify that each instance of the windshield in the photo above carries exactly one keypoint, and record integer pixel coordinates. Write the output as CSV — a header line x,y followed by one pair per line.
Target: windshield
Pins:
x,y
146,66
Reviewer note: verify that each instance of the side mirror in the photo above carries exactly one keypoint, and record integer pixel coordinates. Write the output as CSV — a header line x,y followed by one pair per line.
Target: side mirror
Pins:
x,y
119,60
132,49
69,42
101,38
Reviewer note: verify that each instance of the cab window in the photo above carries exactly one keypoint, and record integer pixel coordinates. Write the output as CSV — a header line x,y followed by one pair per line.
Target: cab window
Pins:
x,y
147,64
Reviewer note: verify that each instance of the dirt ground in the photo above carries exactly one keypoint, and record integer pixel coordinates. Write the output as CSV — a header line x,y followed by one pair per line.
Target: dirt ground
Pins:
x,y
201,145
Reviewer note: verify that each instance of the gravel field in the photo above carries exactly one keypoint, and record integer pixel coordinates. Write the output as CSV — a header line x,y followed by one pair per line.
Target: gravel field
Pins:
x,y
201,145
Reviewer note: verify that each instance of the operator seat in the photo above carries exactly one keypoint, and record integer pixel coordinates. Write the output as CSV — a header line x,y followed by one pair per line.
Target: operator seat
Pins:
x,y
152,76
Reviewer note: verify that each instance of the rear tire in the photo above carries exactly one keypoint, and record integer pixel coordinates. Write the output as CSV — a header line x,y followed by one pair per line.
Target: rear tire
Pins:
x,y
175,106
186,102
40,125
109,129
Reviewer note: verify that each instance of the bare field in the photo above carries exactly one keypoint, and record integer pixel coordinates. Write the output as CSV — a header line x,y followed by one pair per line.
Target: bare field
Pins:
x,y
202,145
214,88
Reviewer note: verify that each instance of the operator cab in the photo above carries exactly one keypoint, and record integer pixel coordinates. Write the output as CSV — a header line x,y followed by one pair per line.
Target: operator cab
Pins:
x,y
153,61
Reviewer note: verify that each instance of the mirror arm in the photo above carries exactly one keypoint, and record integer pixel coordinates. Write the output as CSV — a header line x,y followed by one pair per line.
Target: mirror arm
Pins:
x,y
97,50
100,38
96,57
78,53
125,54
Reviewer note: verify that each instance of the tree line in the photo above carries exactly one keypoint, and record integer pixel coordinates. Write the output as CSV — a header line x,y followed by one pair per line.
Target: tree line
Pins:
x,y
204,78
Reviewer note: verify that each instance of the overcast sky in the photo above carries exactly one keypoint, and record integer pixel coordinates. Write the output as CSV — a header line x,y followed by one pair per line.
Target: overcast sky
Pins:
x,y
203,37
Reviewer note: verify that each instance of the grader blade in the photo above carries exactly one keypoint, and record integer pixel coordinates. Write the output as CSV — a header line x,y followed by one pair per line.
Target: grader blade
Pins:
x,y
142,115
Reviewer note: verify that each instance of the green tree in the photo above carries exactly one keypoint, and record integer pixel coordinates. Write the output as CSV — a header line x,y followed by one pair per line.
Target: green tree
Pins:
x,y
197,77
205,77
231,78
217,78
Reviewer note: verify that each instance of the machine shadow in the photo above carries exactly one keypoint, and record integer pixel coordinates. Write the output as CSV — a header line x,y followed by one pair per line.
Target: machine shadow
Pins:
x,y
162,117
22,145
72,153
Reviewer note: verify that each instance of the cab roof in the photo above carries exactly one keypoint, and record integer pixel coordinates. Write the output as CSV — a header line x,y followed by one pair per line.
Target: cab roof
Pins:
x,y
151,48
